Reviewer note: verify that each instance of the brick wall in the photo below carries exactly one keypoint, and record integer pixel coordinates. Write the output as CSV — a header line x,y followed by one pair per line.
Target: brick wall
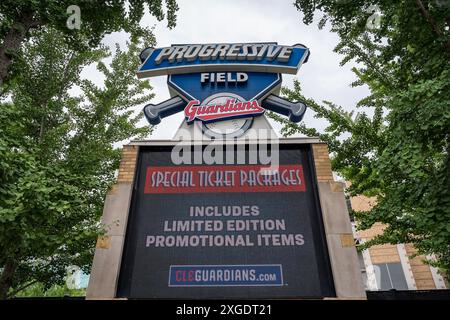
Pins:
x,y
421,271
362,203
388,253
385,253
322,162
127,164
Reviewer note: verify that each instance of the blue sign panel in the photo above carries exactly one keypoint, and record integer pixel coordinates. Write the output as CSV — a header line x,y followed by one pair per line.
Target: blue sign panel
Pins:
x,y
225,275
263,57
248,85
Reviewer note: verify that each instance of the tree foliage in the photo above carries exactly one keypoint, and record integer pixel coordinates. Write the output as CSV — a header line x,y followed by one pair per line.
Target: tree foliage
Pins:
x,y
39,290
19,17
57,153
396,147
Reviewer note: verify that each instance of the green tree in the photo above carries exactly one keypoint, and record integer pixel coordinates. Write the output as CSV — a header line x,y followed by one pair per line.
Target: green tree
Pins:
x,y
58,154
19,17
39,290
398,150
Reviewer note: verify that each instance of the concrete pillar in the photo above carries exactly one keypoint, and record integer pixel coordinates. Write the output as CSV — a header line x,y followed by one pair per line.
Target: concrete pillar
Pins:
x,y
338,229
108,252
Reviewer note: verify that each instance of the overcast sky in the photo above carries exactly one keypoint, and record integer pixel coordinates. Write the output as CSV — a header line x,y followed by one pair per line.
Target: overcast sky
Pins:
x,y
206,21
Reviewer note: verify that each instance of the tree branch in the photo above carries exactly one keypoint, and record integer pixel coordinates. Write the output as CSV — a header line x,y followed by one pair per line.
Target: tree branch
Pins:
x,y
6,277
12,294
13,40
431,21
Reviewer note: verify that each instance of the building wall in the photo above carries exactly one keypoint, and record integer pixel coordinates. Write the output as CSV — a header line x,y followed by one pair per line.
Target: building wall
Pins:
x,y
422,272
418,274
386,253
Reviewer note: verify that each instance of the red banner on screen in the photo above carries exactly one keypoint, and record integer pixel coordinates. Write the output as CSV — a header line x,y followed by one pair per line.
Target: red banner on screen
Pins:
x,y
236,178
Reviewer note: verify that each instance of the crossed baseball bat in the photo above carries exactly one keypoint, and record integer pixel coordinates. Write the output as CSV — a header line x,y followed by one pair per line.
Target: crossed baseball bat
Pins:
x,y
294,110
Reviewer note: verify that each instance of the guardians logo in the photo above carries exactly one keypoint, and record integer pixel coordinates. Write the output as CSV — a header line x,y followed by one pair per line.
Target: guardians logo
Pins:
x,y
229,110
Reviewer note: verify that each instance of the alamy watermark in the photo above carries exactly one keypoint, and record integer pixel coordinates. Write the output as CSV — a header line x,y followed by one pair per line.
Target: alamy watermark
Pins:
x,y
71,277
258,146
374,21
74,20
